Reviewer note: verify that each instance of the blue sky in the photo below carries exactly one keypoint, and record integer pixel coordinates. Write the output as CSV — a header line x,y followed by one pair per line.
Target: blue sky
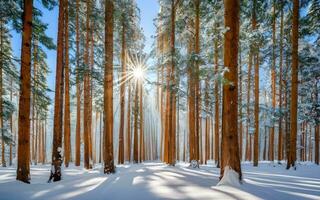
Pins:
x,y
148,8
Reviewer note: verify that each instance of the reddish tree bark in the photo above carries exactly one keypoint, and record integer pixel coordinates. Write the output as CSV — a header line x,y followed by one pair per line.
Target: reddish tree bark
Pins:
x,y
230,146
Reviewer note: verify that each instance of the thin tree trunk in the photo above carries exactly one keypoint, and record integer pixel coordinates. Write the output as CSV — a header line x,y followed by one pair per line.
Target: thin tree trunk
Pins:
x,y
100,137
191,105
35,64
248,135
45,141
3,160
197,81
178,129
86,93
129,123
294,85
141,125
265,143
256,93
108,89
36,140
316,128
256,111
91,65
67,148
23,169
11,119
316,153
122,93
135,129
280,150
58,103
310,144
217,107
240,104
78,120
273,80
207,125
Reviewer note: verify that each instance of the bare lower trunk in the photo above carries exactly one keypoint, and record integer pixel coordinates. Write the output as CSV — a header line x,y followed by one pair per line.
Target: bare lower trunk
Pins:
x,y
135,129
108,90
122,94
230,146
280,150
78,120
129,124
217,108
294,86
58,102
23,169
67,148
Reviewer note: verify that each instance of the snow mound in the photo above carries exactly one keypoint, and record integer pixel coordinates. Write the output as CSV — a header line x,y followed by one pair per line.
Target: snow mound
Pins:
x,y
230,178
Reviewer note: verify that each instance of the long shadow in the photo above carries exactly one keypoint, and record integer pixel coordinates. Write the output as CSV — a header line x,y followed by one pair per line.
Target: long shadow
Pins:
x,y
158,181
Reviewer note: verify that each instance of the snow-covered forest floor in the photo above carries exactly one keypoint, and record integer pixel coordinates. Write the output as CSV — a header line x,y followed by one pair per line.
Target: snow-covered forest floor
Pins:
x,y
155,180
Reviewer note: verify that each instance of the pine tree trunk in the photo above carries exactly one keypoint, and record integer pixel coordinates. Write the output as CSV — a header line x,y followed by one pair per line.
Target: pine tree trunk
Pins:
x,y
240,104
207,125
78,89
310,144
3,160
11,118
45,141
217,107
280,150
86,93
35,64
129,123
196,77
172,95
100,137
316,128
67,149
23,169
286,116
256,92
58,103
230,146
265,143
294,85
256,111
108,90
316,148
135,129
273,80
91,65
162,115
36,141
302,142
167,118
122,93
248,135
178,129
141,157
191,105
40,142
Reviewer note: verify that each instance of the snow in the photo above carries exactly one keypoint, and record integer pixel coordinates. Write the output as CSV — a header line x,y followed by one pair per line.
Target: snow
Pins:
x,y
155,180
230,178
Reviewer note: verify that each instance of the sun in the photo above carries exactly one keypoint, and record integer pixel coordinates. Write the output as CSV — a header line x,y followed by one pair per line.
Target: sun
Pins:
x,y
138,72
137,69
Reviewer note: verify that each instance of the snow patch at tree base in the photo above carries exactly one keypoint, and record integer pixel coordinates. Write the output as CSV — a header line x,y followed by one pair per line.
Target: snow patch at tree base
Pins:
x,y
230,178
